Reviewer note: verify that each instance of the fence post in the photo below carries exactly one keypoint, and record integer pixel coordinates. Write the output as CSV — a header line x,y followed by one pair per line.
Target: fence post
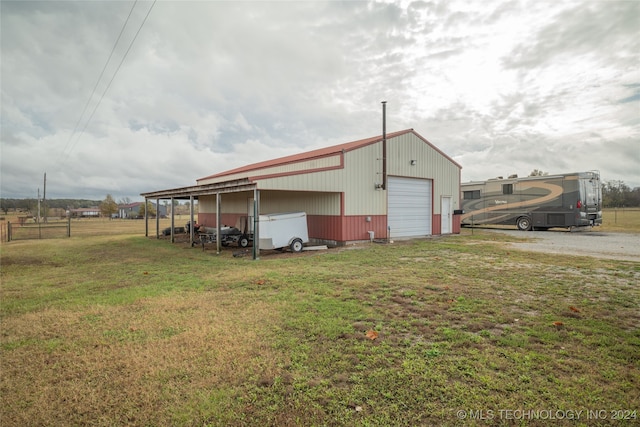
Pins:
x,y
69,226
8,231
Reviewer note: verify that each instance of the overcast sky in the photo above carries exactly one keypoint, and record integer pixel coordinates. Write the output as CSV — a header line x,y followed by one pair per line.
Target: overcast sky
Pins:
x,y
502,87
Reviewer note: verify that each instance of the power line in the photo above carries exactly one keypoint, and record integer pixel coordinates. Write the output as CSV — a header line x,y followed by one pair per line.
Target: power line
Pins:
x,y
112,78
99,78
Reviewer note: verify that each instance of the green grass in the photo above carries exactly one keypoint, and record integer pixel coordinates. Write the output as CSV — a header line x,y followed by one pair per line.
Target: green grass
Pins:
x,y
621,219
125,330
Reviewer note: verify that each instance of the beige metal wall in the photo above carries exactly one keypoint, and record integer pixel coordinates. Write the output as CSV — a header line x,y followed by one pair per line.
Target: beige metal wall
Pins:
x,y
319,192
313,203
207,204
321,163
231,202
430,163
327,180
362,178
362,170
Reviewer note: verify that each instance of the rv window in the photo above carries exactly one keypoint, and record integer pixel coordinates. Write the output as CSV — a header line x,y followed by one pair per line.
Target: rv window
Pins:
x,y
507,188
468,195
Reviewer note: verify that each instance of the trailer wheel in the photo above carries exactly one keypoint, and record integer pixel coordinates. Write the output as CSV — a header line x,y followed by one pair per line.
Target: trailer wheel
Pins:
x,y
524,223
296,245
243,241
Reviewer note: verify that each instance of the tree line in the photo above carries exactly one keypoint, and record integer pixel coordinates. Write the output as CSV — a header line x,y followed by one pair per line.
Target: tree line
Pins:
x,y
615,194
31,205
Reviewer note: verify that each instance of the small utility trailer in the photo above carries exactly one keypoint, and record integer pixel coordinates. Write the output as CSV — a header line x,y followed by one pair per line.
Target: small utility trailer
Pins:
x,y
284,230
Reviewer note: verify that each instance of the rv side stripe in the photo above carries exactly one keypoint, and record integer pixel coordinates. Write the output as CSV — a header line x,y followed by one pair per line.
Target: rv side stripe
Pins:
x,y
554,191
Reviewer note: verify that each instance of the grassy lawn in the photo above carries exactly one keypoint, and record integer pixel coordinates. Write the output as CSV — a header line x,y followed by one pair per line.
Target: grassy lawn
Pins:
x,y
119,329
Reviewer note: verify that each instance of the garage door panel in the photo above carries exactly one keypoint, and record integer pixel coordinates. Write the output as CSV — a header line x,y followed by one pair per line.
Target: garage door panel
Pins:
x,y
409,207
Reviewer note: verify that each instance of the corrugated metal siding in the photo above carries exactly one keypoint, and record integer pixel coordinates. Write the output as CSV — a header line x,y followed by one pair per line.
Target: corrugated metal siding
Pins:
x,y
207,204
325,227
230,203
313,203
356,227
430,163
291,168
209,219
436,224
346,229
328,180
363,170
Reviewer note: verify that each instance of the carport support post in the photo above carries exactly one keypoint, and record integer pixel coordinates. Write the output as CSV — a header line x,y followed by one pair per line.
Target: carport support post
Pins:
x,y
172,221
256,224
146,220
191,223
157,218
218,235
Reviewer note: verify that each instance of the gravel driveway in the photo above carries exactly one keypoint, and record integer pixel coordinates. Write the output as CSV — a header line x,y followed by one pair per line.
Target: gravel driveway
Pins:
x,y
621,246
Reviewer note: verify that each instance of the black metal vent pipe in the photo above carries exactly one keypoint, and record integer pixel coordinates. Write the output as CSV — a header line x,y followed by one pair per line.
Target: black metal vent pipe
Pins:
x,y
384,145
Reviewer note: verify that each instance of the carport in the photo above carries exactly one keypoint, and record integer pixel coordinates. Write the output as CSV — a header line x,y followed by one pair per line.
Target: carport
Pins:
x,y
192,193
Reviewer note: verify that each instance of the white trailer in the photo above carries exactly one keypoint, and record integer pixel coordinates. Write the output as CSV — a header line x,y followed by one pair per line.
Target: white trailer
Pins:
x,y
283,230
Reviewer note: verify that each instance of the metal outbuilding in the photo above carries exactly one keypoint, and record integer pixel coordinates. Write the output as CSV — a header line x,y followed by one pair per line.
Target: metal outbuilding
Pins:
x,y
396,185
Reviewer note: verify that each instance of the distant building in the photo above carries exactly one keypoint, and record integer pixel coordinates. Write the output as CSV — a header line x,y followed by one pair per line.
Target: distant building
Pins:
x,y
93,212
132,210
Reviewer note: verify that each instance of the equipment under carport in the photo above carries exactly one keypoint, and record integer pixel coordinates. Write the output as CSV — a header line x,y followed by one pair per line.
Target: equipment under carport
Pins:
x,y
176,230
228,235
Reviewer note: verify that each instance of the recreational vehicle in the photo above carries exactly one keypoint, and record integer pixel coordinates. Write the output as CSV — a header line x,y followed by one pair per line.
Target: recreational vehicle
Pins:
x,y
535,202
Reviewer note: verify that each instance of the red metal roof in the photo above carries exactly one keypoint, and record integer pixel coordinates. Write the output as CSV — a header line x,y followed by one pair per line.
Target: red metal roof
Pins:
x,y
130,205
322,152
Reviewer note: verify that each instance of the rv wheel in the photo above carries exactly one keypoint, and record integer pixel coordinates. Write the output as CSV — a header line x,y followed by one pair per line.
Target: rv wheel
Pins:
x,y
524,223
296,245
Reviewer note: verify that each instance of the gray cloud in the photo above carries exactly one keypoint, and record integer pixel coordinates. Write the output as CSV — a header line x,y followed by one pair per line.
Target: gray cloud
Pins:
x,y
207,86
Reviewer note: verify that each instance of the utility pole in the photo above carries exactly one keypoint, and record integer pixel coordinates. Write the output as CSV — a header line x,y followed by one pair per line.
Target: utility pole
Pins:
x,y
38,217
44,197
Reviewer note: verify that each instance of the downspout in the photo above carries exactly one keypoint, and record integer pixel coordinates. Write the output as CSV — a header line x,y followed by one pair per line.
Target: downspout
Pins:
x,y
384,145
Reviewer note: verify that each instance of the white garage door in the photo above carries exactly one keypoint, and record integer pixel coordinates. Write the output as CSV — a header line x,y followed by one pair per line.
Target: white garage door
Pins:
x,y
409,213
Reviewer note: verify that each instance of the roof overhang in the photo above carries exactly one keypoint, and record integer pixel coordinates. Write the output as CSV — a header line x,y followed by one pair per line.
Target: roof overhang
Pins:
x,y
202,190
